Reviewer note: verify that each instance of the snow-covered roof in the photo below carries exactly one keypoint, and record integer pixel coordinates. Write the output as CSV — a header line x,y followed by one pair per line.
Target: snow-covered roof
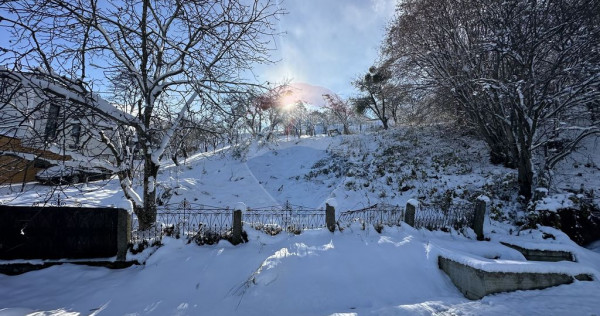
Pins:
x,y
67,88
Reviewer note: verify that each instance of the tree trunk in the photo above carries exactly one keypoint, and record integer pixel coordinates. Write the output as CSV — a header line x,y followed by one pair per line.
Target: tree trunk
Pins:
x,y
384,120
145,218
501,154
496,157
147,215
525,175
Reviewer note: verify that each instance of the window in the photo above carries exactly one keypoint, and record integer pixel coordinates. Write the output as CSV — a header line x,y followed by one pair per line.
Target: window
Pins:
x,y
52,121
76,134
41,163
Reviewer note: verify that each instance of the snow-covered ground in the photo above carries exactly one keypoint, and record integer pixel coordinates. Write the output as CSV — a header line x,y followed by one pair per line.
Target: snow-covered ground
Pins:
x,y
354,272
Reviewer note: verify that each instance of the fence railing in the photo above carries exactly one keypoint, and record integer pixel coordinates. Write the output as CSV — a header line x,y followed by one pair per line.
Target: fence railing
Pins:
x,y
435,216
293,221
207,225
377,215
200,223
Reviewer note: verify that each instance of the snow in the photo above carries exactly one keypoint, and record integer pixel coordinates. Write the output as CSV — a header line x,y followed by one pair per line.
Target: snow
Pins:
x,y
595,246
126,184
484,199
354,272
281,172
316,272
332,202
240,206
151,184
542,190
555,202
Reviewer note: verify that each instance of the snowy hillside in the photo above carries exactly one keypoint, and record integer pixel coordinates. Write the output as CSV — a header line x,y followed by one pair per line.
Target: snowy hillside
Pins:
x,y
432,164
354,272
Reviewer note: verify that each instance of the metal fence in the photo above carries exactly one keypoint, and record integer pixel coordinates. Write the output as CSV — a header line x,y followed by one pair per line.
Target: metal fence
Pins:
x,y
377,215
430,216
436,216
206,225
290,219
201,223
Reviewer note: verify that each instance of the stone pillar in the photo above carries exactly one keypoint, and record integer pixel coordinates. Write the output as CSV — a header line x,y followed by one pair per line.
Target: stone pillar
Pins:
x,y
479,216
237,224
411,209
330,217
123,233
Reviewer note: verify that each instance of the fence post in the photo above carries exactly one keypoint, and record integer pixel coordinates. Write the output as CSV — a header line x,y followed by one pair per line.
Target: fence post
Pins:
x,y
478,218
123,234
330,216
237,224
409,215
539,194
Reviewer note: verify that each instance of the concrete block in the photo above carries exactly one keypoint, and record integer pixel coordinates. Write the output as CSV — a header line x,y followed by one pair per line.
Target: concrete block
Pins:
x,y
542,255
409,215
476,283
237,227
330,217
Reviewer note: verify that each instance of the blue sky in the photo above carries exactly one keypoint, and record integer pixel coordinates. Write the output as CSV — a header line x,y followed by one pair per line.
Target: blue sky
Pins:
x,y
328,43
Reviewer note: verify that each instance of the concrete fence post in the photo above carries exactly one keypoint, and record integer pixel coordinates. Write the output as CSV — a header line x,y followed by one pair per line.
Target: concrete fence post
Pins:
x,y
409,215
330,217
123,234
539,194
237,224
478,218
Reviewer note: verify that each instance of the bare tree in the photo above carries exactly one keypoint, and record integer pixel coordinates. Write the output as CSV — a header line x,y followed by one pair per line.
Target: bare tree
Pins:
x,y
340,109
268,108
318,118
512,67
174,54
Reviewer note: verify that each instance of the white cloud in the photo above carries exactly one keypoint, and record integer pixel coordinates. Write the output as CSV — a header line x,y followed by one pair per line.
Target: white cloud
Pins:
x,y
328,43
384,8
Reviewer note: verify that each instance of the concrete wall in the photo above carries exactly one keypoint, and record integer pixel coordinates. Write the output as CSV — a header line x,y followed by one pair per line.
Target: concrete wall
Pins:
x,y
543,255
63,232
475,283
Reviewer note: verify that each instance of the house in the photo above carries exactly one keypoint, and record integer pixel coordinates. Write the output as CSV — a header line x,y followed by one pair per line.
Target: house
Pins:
x,y
43,123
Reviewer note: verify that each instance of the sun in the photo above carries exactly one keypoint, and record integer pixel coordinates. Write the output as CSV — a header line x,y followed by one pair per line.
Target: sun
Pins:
x,y
287,100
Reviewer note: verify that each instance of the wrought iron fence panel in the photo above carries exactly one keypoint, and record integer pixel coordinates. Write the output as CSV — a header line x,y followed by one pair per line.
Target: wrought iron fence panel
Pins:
x,y
197,221
186,220
273,221
151,235
435,216
378,215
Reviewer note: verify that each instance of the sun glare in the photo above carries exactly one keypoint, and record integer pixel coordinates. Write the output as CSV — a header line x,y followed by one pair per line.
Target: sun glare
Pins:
x,y
287,100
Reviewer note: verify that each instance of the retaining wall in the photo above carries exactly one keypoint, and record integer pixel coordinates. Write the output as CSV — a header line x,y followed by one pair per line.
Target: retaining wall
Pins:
x,y
475,283
542,255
